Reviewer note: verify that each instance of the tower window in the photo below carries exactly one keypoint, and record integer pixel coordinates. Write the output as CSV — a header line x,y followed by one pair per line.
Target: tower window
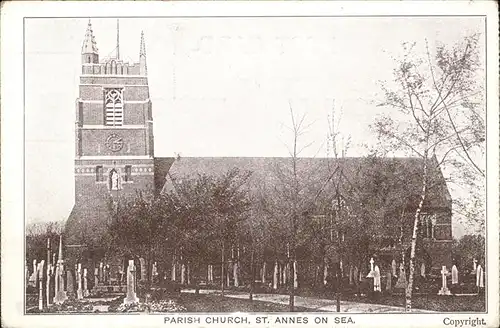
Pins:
x,y
128,173
113,102
99,176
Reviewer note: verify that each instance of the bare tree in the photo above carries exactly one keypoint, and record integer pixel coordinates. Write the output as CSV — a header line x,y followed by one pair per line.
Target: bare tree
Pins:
x,y
439,116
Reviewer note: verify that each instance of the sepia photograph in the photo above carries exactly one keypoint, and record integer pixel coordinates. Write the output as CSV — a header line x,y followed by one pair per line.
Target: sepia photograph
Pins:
x,y
322,165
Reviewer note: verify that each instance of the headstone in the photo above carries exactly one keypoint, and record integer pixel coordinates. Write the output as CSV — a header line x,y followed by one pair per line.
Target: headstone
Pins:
x,y
79,292
131,296
96,277
173,271
401,283
154,272
422,270
101,273
188,272
40,284
183,274
275,275
371,274
143,269
34,276
263,278
86,292
454,275
295,275
47,284
108,275
479,277
376,279
444,289
235,274
70,284
388,285
394,268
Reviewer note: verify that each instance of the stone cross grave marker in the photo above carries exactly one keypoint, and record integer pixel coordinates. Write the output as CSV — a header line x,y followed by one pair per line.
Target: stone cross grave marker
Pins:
x,y
131,296
444,289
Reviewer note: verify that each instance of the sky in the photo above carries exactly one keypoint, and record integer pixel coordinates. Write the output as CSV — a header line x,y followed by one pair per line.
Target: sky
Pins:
x,y
219,86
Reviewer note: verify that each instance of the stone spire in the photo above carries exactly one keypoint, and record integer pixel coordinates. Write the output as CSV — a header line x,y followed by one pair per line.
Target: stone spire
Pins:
x,y
142,56
89,45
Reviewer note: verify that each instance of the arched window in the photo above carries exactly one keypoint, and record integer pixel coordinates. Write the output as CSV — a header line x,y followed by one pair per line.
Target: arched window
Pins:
x,y
119,69
113,67
113,104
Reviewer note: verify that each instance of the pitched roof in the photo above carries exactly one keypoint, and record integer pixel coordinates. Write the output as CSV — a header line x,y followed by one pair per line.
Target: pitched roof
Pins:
x,y
313,172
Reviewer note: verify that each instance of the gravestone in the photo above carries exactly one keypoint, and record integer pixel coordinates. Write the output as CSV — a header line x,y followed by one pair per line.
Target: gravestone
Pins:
x,y
154,272
263,278
173,271
101,273
143,269
183,273
96,278
401,283
422,270
371,274
479,277
275,275
34,276
474,265
444,289
131,295
376,279
60,295
85,284
235,274
70,285
79,292
394,268
295,275
388,285
454,275
188,273
47,284
40,284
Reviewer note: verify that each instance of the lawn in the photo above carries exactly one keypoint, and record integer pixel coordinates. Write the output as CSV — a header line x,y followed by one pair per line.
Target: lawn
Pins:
x,y
214,303
429,302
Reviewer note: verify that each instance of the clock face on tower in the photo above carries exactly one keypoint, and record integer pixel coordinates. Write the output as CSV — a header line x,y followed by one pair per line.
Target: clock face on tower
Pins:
x,y
114,142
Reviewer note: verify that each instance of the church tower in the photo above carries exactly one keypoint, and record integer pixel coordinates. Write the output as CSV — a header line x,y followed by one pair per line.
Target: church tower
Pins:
x,y
114,146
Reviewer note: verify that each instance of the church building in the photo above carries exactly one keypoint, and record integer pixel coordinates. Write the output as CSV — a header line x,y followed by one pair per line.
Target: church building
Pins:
x,y
114,156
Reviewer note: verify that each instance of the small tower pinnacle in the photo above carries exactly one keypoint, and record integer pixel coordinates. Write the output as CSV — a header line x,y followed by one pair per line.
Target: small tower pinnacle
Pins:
x,y
142,56
89,45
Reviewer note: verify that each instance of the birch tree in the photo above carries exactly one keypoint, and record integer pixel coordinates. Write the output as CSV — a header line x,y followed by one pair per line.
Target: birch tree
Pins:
x,y
436,114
